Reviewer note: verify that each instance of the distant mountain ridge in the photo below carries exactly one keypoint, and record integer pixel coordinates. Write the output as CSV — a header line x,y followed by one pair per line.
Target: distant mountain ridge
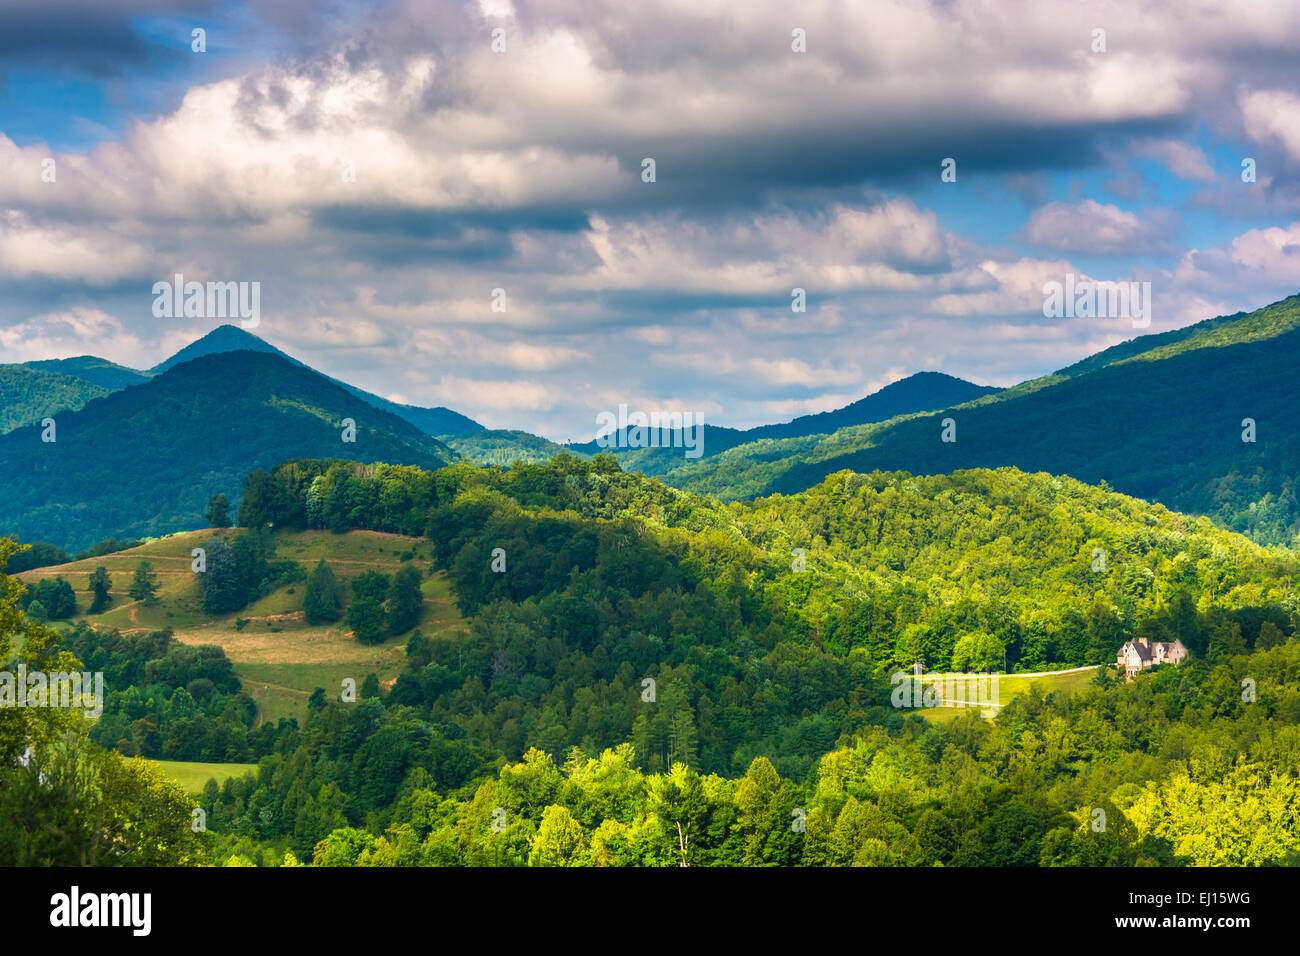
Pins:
x,y
1160,417
919,392
224,338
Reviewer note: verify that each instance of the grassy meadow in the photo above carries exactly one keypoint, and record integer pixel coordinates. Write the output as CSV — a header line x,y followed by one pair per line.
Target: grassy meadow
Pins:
x,y
192,776
1011,685
278,656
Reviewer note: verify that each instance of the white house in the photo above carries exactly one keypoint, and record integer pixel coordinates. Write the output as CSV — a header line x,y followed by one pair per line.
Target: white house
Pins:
x,y
1142,655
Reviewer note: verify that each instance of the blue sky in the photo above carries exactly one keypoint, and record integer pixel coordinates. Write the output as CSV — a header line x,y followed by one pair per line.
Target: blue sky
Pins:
x,y
477,169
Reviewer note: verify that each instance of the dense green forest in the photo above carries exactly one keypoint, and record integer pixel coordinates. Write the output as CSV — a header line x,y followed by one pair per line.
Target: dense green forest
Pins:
x,y
1181,767
653,677
605,578
1187,766
882,551
171,701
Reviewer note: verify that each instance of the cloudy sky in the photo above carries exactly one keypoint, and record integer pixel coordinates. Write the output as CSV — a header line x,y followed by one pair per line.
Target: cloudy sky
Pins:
x,y
521,169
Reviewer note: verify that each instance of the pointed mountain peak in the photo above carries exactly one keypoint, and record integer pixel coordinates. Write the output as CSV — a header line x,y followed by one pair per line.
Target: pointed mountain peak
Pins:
x,y
224,338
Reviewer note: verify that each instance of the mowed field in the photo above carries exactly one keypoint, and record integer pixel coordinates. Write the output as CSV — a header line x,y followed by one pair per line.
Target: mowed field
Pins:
x,y
1010,685
192,776
278,656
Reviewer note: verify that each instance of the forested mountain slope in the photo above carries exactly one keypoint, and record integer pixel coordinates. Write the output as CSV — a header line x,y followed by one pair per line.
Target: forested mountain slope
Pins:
x,y
29,395
615,577
97,371
673,667
505,447
145,460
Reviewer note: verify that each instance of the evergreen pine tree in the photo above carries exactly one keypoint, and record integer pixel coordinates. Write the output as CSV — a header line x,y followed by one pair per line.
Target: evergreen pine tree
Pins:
x,y
218,513
323,601
144,585
404,599
100,583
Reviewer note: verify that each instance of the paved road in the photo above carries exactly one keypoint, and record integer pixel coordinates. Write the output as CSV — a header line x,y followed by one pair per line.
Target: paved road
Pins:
x,y
1072,670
